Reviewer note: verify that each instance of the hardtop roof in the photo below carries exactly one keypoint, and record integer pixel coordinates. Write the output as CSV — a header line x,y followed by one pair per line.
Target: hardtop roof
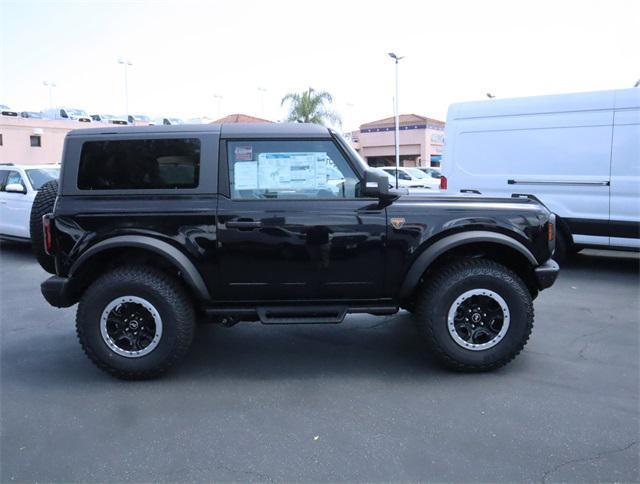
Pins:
x,y
230,130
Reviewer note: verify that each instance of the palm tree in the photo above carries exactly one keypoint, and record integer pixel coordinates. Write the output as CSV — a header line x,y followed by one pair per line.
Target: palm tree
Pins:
x,y
310,106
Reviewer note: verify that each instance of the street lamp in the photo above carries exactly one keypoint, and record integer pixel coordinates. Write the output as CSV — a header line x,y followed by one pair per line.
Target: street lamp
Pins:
x,y
126,63
397,59
50,85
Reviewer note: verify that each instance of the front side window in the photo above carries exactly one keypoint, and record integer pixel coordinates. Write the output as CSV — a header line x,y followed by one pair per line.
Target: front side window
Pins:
x,y
139,164
289,169
14,178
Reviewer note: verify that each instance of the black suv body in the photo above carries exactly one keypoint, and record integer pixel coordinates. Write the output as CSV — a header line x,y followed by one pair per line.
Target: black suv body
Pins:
x,y
157,227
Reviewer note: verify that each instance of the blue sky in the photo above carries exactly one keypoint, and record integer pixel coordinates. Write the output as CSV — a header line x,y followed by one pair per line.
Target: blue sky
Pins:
x,y
185,52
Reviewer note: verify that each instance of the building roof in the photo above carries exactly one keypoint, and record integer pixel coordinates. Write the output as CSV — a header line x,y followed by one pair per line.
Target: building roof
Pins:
x,y
240,118
405,119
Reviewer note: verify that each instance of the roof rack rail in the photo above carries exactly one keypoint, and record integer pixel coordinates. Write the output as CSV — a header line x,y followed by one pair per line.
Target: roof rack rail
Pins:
x,y
7,164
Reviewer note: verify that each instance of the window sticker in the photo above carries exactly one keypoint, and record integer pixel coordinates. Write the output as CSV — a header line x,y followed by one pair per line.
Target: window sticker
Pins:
x,y
243,153
245,175
292,171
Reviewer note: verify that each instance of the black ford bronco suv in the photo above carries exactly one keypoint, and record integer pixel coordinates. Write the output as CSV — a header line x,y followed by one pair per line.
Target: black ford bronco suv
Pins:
x,y
154,228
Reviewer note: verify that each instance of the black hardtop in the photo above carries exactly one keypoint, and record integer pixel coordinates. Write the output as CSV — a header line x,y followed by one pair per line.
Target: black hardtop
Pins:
x,y
231,130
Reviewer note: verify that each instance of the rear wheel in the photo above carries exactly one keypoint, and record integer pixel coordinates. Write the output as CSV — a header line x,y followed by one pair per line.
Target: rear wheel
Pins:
x,y
135,323
475,315
42,205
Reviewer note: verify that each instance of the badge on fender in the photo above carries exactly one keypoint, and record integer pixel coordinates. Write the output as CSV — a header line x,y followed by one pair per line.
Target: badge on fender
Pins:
x,y
397,222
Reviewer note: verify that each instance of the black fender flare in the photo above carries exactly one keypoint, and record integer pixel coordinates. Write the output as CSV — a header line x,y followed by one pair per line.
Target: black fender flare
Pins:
x,y
447,243
191,275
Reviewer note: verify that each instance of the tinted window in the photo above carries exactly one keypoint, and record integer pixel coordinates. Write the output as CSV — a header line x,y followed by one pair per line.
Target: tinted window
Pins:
x,y
289,169
139,164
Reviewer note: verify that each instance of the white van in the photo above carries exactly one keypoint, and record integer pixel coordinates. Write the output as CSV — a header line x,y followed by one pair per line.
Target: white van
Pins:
x,y
579,154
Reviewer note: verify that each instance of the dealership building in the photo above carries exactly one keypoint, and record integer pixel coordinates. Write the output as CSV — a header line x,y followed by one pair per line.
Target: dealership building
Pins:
x,y
421,141
30,141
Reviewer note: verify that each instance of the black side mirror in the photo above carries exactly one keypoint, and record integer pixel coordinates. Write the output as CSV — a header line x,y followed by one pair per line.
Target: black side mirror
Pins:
x,y
376,185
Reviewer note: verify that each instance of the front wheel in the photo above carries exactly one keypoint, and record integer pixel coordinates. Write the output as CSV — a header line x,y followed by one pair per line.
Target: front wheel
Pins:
x,y
476,315
135,323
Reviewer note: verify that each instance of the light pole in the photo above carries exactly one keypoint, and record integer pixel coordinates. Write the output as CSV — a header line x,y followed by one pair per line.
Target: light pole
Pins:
x,y
397,59
126,63
261,91
50,85
219,98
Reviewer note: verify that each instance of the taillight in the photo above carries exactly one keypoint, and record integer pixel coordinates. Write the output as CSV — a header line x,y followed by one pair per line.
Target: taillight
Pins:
x,y
46,231
549,231
443,182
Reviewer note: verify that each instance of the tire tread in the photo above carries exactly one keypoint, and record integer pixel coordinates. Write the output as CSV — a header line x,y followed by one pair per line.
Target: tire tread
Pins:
x,y
451,274
170,290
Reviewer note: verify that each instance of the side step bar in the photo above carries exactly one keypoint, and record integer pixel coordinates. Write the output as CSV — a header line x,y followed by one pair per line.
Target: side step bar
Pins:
x,y
316,314
302,315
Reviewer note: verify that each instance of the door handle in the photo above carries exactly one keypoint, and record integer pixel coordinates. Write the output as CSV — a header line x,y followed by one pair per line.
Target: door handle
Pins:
x,y
243,224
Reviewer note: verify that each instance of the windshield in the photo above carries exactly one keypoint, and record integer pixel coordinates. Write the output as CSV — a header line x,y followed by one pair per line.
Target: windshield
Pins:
x,y
176,121
416,173
76,112
40,176
433,173
141,117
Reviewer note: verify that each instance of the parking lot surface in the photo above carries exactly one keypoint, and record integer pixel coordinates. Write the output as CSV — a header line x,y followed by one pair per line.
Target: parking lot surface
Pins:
x,y
359,401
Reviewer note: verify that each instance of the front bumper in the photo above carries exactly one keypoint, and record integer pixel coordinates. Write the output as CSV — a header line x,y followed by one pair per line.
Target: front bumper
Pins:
x,y
546,274
59,292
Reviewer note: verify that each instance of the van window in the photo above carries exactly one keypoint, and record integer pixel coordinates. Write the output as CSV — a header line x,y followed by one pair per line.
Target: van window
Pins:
x,y
139,164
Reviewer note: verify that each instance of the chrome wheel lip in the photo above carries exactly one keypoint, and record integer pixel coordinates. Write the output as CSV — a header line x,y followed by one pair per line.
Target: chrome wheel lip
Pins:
x,y
496,339
112,345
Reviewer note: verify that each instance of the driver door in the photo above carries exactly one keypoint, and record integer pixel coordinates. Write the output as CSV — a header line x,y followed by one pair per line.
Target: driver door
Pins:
x,y
294,226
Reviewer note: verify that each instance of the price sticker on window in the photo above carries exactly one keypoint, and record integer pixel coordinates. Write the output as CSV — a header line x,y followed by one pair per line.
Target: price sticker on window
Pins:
x,y
243,153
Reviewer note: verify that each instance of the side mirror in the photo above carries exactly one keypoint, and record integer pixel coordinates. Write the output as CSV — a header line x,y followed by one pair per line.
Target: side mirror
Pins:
x,y
377,185
15,188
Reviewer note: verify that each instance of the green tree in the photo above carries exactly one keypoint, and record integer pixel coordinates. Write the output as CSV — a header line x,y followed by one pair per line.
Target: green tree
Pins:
x,y
311,106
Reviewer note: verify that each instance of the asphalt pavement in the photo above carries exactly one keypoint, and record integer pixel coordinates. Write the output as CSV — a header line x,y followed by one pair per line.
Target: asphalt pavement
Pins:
x,y
360,401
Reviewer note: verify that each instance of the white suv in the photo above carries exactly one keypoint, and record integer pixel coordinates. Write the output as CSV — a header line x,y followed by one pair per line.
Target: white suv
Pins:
x,y
413,177
18,187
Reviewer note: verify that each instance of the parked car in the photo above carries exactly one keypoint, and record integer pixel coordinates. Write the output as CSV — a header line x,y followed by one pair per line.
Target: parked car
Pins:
x,y
18,187
432,172
578,154
411,177
139,119
7,111
167,121
259,229
31,114
68,113
109,119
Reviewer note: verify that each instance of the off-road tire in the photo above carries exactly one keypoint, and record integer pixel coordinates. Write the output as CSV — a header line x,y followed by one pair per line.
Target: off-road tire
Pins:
x,y
439,293
42,205
168,297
